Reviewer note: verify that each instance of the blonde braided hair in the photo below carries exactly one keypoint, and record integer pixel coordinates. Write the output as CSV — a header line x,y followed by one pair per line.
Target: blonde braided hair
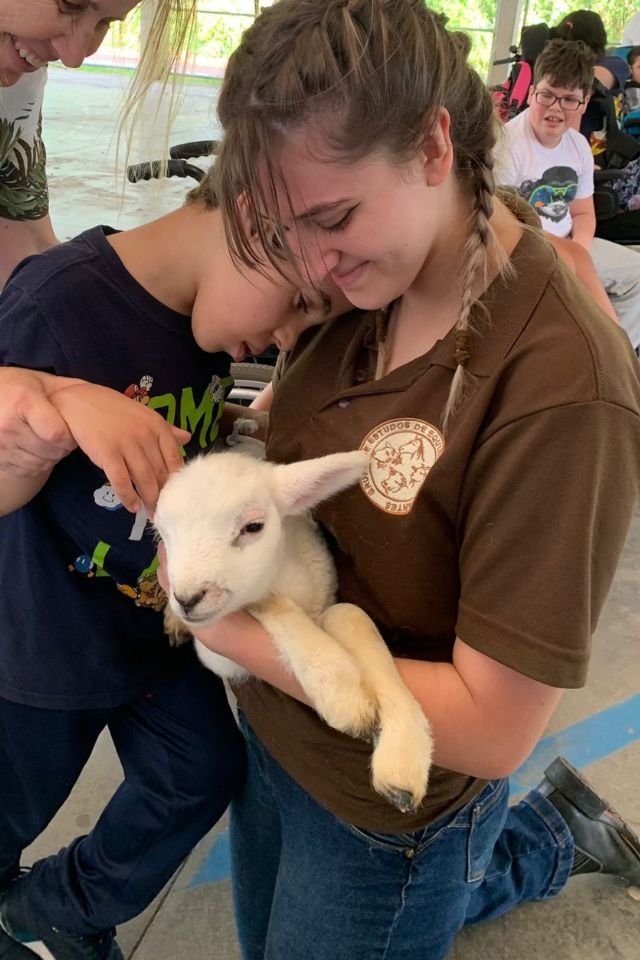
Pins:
x,y
375,74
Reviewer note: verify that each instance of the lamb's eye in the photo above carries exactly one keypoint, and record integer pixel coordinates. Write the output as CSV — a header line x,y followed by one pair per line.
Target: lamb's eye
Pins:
x,y
254,527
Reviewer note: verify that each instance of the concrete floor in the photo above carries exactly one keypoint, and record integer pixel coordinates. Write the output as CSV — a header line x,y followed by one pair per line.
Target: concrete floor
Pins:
x,y
598,728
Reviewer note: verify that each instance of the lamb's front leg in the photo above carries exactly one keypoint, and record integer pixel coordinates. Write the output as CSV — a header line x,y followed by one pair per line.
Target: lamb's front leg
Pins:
x,y
326,671
401,759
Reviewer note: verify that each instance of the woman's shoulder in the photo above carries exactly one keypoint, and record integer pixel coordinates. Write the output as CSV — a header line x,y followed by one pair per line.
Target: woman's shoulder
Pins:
x,y
547,344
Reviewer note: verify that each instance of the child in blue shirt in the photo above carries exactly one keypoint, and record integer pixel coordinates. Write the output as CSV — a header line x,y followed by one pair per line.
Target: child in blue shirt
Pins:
x,y
153,316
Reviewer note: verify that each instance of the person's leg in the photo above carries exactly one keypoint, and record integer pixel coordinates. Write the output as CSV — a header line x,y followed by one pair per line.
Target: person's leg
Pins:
x,y
308,885
530,860
619,270
42,753
182,757
255,852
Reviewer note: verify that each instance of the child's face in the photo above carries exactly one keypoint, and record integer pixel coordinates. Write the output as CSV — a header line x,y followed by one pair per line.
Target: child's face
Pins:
x,y
549,120
635,70
251,312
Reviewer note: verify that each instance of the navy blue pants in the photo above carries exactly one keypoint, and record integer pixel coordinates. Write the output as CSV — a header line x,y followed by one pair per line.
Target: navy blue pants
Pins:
x,y
182,756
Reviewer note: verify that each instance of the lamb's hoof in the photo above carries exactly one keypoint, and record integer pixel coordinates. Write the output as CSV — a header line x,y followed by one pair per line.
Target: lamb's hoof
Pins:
x,y
401,761
403,800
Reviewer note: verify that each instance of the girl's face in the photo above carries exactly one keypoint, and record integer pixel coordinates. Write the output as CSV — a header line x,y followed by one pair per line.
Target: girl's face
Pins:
x,y
635,70
35,32
367,226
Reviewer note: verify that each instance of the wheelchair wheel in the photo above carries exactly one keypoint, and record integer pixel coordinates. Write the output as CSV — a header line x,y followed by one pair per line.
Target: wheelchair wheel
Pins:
x,y
249,380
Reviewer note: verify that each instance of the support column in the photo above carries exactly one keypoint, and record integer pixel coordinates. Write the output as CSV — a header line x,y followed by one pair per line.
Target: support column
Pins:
x,y
508,16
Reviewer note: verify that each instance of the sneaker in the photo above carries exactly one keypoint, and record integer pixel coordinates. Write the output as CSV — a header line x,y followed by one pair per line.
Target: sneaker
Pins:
x,y
23,925
604,843
11,950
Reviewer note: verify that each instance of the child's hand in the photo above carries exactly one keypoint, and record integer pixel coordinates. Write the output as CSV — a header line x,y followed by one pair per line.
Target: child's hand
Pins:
x,y
33,435
135,446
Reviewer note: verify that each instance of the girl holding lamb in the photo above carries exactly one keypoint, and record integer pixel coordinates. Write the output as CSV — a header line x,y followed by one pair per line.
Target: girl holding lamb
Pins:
x,y
500,415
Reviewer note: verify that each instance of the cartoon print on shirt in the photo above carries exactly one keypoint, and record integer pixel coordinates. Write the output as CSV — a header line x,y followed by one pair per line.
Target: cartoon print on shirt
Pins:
x,y
83,564
140,392
147,592
201,418
401,454
551,195
105,496
216,389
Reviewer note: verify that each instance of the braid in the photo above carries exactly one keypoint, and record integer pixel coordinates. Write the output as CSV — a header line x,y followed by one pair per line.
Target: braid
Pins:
x,y
474,139
475,258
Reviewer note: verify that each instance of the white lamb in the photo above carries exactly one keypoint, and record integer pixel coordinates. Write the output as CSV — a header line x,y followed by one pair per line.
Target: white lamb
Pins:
x,y
238,535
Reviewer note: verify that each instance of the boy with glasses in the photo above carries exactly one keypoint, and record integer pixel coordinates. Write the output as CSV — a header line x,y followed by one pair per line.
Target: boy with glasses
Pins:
x,y
545,157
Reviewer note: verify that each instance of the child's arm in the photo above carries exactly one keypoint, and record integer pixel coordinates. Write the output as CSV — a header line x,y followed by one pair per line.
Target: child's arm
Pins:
x,y
583,215
264,399
135,447
235,411
16,491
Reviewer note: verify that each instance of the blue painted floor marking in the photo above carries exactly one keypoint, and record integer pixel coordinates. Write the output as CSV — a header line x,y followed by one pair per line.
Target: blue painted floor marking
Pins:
x,y
215,864
583,743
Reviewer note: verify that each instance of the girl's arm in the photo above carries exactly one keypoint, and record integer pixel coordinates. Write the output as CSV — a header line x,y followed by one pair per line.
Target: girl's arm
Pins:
x,y
33,435
44,417
486,718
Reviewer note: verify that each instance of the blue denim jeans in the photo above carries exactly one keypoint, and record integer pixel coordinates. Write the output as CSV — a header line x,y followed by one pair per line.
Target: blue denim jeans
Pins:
x,y
308,886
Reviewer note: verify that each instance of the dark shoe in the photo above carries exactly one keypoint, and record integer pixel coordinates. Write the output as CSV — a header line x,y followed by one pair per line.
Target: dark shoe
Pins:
x,y
11,950
20,922
604,843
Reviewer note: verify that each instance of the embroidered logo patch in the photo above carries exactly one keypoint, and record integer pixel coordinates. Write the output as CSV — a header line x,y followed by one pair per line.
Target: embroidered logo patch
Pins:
x,y
401,454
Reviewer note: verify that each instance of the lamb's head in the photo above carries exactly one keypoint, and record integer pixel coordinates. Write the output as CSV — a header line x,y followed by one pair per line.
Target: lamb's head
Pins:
x,y
221,520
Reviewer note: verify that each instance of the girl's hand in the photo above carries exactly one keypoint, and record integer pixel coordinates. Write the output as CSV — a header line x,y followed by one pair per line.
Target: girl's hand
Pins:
x,y
33,435
135,446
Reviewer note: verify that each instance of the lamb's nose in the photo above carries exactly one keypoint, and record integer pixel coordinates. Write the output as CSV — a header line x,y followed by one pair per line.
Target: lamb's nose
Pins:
x,y
188,603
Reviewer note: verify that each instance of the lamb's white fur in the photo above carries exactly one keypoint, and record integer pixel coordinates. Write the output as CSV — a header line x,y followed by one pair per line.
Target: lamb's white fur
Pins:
x,y
285,577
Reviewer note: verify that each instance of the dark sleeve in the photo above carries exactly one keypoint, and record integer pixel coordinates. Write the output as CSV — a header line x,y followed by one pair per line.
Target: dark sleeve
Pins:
x,y
26,339
619,68
547,506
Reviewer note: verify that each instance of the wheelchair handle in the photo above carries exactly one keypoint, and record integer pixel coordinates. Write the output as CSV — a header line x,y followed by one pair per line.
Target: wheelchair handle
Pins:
x,y
157,169
196,148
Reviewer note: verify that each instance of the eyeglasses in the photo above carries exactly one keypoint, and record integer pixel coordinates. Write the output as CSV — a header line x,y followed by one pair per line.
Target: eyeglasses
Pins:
x,y
547,99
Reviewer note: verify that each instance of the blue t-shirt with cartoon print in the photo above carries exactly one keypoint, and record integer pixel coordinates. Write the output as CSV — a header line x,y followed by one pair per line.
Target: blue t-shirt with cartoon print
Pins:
x,y
80,620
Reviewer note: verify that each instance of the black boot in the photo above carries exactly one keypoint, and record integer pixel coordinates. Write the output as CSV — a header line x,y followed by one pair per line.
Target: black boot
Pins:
x,y
19,920
603,841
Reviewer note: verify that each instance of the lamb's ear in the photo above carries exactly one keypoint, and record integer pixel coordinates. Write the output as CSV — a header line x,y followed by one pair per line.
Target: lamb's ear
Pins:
x,y
299,486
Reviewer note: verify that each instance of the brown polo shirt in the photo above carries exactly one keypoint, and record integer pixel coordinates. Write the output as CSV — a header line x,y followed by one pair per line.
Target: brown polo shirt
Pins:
x,y
506,533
